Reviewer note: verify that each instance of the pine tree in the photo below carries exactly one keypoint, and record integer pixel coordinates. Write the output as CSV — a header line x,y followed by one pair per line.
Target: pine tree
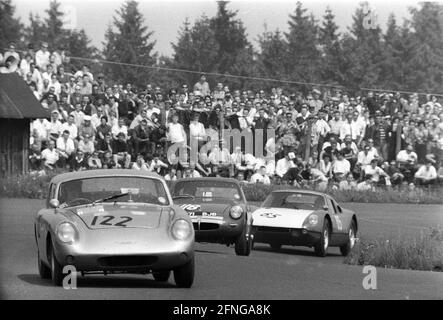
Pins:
x,y
231,37
427,49
303,53
196,49
10,27
362,49
54,25
331,53
36,31
273,53
128,41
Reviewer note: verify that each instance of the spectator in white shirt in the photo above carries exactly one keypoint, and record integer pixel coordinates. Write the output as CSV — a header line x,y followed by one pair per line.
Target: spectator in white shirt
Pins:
x,y
42,56
375,172
176,133
351,128
426,175
284,164
66,148
365,157
120,127
407,156
71,127
50,155
261,177
197,130
340,167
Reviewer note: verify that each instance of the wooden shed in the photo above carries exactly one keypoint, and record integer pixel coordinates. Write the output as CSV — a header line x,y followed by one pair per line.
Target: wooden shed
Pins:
x,y
18,107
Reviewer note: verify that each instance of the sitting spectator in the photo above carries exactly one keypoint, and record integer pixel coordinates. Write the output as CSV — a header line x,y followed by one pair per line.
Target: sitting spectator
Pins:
x,y
86,145
426,174
79,162
260,176
50,155
172,175
94,161
340,167
122,158
139,163
375,172
66,149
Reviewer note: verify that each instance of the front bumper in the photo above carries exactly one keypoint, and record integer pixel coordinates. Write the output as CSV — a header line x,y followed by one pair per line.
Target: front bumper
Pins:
x,y
136,252
217,229
285,236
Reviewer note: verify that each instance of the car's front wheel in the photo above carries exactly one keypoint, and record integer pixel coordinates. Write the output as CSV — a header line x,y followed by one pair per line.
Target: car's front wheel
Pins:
x,y
56,268
43,270
243,244
162,276
321,248
184,275
352,236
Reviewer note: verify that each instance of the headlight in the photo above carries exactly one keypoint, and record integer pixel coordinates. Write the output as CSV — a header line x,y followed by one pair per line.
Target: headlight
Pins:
x,y
66,232
236,212
181,229
313,219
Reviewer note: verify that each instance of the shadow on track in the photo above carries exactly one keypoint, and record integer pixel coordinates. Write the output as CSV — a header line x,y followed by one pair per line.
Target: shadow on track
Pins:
x,y
94,281
296,251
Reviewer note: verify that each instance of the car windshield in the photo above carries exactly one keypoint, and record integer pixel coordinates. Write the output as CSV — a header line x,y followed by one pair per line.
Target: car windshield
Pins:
x,y
208,190
294,200
125,189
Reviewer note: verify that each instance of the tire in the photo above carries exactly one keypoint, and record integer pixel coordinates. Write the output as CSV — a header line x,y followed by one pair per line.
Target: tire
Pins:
x,y
321,248
43,270
243,245
184,275
56,269
346,248
161,276
275,246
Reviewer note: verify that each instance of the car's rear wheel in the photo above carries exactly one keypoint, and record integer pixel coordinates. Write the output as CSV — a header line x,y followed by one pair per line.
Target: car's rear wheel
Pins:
x,y
56,268
243,244
43,270
275,246
321,248
162,275
184,275
352,236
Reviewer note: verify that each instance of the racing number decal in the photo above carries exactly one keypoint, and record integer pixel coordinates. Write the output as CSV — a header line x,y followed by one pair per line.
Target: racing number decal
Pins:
x,y
106,221
339,224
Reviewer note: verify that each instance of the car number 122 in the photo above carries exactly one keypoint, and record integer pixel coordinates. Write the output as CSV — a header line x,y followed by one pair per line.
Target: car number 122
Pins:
x,y
111,221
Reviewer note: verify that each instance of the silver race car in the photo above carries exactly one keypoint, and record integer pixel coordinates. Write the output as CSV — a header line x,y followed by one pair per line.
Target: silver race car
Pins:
x,y
114,221
304,218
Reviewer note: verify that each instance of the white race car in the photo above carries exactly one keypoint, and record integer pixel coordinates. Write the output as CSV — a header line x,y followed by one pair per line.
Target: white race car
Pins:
x,y
304,218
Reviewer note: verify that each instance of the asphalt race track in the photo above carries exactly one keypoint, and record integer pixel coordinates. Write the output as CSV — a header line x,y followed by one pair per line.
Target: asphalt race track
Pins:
x,y
292,273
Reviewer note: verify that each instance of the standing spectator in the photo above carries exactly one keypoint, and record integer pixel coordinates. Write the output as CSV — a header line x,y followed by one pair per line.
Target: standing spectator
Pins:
x,y
42,56
201,88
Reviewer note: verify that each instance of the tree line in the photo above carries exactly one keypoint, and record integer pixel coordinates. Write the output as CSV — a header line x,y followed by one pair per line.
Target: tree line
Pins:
x,y
407,56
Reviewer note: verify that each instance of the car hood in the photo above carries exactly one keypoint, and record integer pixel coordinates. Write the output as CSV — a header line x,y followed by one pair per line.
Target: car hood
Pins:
x,y
197,205
280,217
124,215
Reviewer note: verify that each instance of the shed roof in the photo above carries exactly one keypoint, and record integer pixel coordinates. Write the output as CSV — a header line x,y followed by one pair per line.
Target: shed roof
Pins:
x,y
16,99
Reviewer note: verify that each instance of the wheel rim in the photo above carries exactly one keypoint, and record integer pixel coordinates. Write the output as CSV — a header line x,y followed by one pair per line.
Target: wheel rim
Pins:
x,y
351,238
326,238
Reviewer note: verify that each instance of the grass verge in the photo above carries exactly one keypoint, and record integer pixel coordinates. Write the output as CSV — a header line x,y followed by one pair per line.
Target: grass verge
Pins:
x,y
424,252
35,187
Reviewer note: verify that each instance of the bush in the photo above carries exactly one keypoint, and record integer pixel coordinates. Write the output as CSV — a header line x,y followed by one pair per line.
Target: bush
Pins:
x,y
35,187
31,186
424,252
258,192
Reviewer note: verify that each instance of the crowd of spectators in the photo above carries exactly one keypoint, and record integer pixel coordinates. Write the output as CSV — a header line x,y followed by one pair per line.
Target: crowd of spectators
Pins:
x,y
322,138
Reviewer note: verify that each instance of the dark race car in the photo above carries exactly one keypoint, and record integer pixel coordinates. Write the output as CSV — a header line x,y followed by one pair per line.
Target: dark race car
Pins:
x,y
218,210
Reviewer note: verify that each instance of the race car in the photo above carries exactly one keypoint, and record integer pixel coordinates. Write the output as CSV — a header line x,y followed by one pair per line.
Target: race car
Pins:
x,y
218,210
304,218
113,221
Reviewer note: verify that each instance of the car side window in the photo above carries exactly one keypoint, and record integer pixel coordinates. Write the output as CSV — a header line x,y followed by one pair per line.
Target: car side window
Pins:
x,y
338,208
51,194
333,205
